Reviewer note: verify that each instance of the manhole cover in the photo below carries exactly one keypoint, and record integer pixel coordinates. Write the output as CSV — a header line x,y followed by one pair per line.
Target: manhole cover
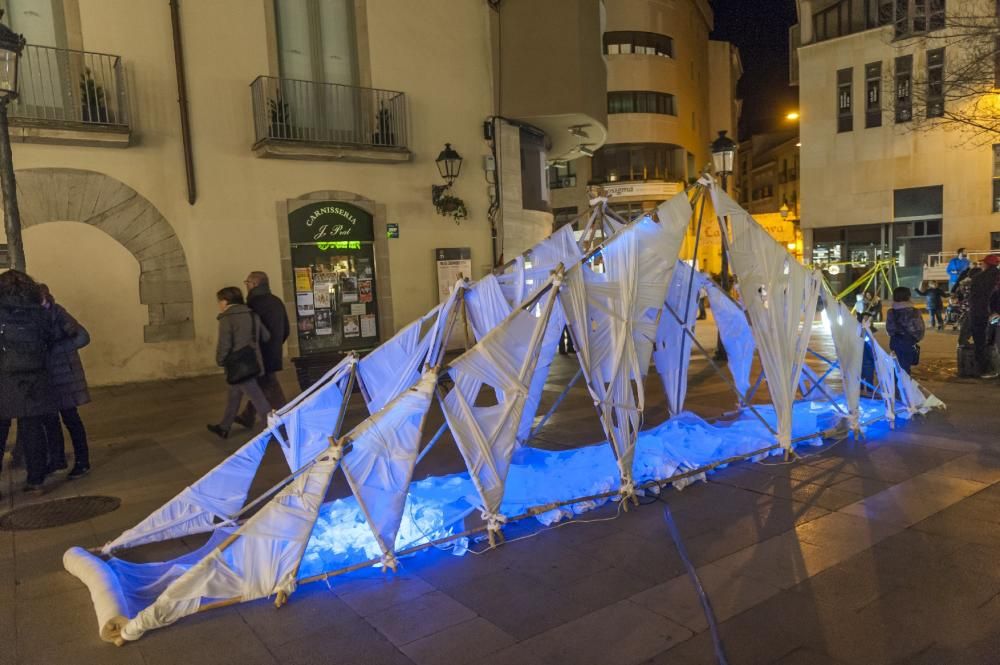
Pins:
x,y
57,512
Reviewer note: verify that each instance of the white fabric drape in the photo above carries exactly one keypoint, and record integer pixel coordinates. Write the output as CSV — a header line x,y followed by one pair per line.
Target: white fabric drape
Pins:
x,y
734,329
672,349
849,342
912,395
262,560
613,316
504,363
215,497
885,373
397,364
780,297
380,464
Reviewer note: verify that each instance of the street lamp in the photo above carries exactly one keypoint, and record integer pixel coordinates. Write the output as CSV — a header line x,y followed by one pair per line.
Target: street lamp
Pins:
x,y
723,158
11,45
784,210
449,163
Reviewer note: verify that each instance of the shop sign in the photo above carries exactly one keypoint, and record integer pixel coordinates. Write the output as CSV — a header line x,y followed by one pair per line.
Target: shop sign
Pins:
x,y
658,191
392,230
329,222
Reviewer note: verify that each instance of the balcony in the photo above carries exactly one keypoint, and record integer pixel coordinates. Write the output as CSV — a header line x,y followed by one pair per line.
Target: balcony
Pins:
x,y
71,98
296,119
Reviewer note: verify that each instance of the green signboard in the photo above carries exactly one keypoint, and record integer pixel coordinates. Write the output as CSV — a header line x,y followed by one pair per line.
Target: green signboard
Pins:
x,y
329,222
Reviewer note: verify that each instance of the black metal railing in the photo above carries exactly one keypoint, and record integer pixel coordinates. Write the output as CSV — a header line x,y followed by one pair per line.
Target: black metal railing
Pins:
x,y
60,86
313,112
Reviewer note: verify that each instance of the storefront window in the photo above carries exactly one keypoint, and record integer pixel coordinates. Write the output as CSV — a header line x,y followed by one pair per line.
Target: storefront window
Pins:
x,y
333,258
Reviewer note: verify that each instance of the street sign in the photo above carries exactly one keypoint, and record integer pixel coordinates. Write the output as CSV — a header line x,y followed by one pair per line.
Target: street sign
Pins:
x,y
392,230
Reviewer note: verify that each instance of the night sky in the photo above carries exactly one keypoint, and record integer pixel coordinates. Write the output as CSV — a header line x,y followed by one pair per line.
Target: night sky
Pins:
x,y
760,29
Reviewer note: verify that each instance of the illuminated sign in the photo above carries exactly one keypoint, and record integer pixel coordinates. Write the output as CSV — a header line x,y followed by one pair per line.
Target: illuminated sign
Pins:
x,y
329,222
339,244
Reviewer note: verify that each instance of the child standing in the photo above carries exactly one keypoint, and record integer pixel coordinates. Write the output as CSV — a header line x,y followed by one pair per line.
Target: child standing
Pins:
x,y
935,303
905,327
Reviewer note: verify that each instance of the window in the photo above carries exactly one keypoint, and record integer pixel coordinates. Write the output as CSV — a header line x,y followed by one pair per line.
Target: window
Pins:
x,y
563,216
562,175
904,83
878,13
622,162
833,22
316,40
640,43
845,110
534,187
641,101
996,177
873,94
912,17
935,83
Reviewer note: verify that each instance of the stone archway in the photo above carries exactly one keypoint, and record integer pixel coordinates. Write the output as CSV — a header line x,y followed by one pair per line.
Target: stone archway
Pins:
x,y
73,195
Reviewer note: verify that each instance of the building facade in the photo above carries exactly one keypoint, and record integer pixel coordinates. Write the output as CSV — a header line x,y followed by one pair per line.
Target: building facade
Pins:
x,y
670,89
884,174
304,146
768,185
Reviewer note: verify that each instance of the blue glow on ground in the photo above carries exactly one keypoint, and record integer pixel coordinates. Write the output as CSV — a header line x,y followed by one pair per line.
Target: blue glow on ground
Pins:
x,y
436,506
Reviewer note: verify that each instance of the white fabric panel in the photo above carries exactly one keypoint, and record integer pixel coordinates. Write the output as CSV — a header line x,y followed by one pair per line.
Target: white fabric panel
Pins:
x,y
383,453
613,317
486,305
397,364
105,591
216,496
261,561
885,374
310,422
505,360
672,349
520,281
912,395
737,337
849,342
780,297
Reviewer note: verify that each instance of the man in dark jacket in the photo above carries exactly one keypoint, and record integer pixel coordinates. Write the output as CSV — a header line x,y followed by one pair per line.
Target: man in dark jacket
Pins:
x,y
69,388
980,292
272,314
934,298
26,335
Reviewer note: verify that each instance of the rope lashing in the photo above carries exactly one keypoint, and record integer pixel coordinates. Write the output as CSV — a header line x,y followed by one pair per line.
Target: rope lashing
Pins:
x,y
494,526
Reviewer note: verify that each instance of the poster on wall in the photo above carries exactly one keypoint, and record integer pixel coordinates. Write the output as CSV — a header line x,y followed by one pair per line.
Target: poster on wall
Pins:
x,y
453,264
348,289
365,268
304,304
323,287
352,326
364,290
324,322
359,309
368,325
307,324
303,280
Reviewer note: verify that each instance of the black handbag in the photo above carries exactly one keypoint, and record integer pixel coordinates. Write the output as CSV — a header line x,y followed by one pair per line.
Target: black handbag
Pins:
x,y
242,364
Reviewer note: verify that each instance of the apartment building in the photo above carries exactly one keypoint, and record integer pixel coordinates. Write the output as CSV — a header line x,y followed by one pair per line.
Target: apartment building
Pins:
x,y
885,172
768,167
304,144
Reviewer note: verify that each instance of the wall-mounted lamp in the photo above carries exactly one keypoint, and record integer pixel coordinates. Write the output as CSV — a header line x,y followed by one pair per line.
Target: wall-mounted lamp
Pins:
x,y
449,164
783,211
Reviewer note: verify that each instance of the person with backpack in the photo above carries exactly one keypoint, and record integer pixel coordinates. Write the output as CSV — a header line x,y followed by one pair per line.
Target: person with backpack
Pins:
x,y
934,299
905,328
271,311
69,387
238,352
26,335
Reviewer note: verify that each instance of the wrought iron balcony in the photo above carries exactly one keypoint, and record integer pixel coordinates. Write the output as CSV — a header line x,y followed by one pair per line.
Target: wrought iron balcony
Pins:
x,y
66,89
349,121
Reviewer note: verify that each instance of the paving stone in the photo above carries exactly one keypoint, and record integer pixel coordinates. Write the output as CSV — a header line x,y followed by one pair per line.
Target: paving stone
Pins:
x,y
604,588
463,643
846,532
217,637
382,592
616,635
86,651
419,617
781,561
55,618
364,646
914,500
982,467
310,608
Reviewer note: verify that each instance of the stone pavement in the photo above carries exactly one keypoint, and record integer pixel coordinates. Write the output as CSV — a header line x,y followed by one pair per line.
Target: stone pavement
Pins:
x,y
880,551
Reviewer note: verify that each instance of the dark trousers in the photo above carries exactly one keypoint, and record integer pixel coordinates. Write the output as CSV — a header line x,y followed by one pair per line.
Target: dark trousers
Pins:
x,y
979,330
937,319
275,396
31,435
905,350
235,396
56,443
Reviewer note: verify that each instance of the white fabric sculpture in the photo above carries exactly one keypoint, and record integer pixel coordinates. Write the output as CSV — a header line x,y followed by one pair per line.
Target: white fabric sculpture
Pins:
x,y
734,329
780,297
613,316
885,373
380,464
849,342
912,395
504,361
672,349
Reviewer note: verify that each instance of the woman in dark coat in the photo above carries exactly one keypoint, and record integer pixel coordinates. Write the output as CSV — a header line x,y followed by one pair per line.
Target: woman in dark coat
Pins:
x,y
26,335
69,387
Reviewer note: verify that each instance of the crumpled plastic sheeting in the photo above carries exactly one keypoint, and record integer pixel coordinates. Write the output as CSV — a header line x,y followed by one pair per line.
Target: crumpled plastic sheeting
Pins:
x,y
538,477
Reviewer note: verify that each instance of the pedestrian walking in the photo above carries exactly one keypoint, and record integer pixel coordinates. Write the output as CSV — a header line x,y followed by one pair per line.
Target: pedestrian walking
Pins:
x,y
271,311
69,386
26,335
958,264
934,299
238,351
905,328
981,290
